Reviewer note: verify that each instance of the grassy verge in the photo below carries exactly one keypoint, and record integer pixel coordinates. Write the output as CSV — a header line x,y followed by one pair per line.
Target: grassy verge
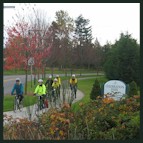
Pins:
x,y
49,71
9,101
86,86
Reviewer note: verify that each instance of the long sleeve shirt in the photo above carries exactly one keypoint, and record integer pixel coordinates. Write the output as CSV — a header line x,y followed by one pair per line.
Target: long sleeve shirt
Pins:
x,y
18,89
40,90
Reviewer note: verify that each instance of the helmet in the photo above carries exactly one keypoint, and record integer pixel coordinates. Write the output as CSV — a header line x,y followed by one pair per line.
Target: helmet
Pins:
x,y
55,80
73,75
17,79
57,75
50,76
40,80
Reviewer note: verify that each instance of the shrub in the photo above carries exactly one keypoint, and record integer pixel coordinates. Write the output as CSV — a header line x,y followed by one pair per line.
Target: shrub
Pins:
x,y
133,88
96,120
96,90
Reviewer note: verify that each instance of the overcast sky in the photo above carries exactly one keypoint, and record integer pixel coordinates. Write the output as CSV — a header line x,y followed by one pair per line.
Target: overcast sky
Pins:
x,y
108,20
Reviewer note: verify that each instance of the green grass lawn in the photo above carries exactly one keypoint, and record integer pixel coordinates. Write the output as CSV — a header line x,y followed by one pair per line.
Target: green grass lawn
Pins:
x,y
86,86
49,71
9,102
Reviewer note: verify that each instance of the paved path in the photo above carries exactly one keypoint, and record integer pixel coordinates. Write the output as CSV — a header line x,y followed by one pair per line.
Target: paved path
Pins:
x,y
29,112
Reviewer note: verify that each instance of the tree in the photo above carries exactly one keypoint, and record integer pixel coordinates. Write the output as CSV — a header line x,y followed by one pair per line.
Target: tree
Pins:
x,y
83,34
105,49
20,47
123,60
40,36
133,88
96,90
62,29
98,56
28,38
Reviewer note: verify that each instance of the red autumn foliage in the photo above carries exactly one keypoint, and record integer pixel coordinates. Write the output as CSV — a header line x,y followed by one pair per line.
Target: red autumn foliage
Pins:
x,y
21,46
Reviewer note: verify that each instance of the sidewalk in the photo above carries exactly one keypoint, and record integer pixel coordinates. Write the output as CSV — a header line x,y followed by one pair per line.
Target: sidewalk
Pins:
x,y
29,112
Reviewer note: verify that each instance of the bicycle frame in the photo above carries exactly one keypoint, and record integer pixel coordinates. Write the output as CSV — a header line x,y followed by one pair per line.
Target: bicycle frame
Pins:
x,y
39,104
17,104
54,95
73,92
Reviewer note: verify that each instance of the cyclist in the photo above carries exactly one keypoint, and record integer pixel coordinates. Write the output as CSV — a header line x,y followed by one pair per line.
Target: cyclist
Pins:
x,y
40,90
73,83
18,87
55,86
59,82
49,83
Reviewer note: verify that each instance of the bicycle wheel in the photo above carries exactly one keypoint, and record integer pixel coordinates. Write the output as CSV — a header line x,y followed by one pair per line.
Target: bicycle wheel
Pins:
x,y
15,104
72,96
55,98
43,106
21,105
37,108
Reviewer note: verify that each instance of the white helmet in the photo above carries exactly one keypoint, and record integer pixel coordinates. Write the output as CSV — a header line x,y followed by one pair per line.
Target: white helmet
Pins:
x,y
40,80
55,79
73,75
50,76
17,79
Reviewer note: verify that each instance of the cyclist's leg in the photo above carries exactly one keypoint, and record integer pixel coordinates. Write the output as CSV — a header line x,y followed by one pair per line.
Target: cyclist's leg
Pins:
x,y
53,95
57,92
41,103
15,103
75,90
59,89
20,98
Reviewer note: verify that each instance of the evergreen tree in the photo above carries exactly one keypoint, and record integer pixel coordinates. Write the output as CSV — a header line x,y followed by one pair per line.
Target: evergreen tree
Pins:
x,y
122,61
96,90
83,35
133,88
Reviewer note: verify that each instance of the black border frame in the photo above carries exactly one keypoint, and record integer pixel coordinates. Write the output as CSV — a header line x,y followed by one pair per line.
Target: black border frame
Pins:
x,y
141,66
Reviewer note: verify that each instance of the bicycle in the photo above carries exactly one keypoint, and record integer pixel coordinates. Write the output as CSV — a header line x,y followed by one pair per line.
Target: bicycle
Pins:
x,y
39,105
17,103
54,96
73,93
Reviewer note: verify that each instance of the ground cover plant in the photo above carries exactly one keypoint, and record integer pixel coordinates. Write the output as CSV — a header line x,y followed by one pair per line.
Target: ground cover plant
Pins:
x,y
101,119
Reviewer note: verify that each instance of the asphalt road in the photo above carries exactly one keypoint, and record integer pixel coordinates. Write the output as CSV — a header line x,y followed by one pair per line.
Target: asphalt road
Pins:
x,y
8,81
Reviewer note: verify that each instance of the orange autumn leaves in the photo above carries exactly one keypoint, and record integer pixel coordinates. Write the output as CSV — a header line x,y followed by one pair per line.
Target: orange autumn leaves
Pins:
x,y
94,120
